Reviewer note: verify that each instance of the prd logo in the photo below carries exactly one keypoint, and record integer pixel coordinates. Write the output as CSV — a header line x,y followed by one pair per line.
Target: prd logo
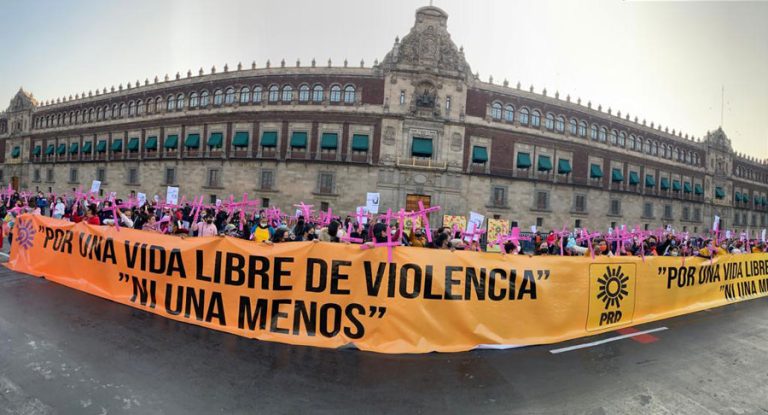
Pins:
x,y
25,233
612,295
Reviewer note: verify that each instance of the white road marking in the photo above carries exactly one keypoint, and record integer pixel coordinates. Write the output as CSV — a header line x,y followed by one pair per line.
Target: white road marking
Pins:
x,y
608,340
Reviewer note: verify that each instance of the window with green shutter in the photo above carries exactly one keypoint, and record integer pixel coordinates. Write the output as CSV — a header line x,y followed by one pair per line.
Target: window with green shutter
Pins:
x,y
595,172
329,141
151,143
117,145
50,149
617,176
299,139
192,141
479,154
16,152
133,144
171,142
269,139
87,146
73,148
545,163
241,139
421,147
216,140
564,166
62,149
649,181
37,151
719,193
698,189
687,187
360,142
676,185
634,178
664,183
523,160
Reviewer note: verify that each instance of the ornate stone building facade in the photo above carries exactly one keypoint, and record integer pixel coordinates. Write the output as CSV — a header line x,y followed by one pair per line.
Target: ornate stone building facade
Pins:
x,y
416,126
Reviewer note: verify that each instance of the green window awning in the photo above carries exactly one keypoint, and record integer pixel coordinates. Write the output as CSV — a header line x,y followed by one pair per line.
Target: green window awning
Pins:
x,y
479,154
617,175
101,146
151,143
269,139
87,147
192,141
117,145
719,192
545,163
329,141
37,151
563,166
133,144
421,147
676,185
16,152
216,140
62,149
299,139
523,160
171,142
698,189
50,149
360,142
664,183
241,139
687,187
595,172
634,178
745,197
737,197
73,148
650,181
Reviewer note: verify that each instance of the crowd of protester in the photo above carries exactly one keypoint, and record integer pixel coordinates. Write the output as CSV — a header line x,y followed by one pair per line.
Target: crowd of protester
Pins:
x,y
183,221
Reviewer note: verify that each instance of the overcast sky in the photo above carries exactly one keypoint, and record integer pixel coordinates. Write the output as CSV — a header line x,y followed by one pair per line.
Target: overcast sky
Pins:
x,y
662,61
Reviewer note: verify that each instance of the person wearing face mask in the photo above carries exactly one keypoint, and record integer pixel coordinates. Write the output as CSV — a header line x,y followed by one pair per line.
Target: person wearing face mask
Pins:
x,y
58,209
205,227
262,231
417,238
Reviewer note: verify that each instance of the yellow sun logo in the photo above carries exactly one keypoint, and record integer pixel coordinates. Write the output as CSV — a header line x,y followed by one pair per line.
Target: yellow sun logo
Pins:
x,y
613,287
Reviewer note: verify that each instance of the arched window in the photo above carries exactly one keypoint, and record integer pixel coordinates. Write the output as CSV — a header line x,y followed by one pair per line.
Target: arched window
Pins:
x,y
304,93
593,132
573,127
139,107
69,120
114,113
349,94
90,115
193,100
150,106
583,129
509,113
123,110
229,96
218,97
287,93
549,123
274,93
560,124
99,114
496,111
170,103
131,108
613,137
654,148
257,94
622,139
335,93
523,116
245,95
536,119
675,154
603,133
180,102
647,146
689,159
317,93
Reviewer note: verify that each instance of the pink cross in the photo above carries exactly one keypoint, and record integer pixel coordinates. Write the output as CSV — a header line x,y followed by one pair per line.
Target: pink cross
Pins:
x,y
562,234
305,209
586,236
389,244
423,213
348,237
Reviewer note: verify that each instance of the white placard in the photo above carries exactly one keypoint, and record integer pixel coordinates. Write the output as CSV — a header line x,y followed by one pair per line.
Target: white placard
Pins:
x,y
610,231
372,201
95,186
475,222
299,212
218,203
156,198
141,198
727,234
669,228
363,212
716,224
172,195
533,228
763,237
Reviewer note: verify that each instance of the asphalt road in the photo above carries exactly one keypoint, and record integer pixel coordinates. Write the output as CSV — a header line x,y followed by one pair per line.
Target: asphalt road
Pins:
x,y
63,351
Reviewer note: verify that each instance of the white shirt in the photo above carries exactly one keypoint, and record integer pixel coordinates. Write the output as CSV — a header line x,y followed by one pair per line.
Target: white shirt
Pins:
x,y
58,210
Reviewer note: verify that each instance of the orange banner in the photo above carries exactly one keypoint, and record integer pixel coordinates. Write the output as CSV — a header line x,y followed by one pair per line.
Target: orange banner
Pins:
x,y
333,295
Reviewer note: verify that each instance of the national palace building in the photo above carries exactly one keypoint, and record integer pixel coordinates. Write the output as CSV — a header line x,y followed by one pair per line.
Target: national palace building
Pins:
x,y
416,126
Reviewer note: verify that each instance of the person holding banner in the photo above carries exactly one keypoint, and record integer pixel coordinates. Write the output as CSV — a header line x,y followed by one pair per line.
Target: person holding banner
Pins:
x,y
262,231
205,227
